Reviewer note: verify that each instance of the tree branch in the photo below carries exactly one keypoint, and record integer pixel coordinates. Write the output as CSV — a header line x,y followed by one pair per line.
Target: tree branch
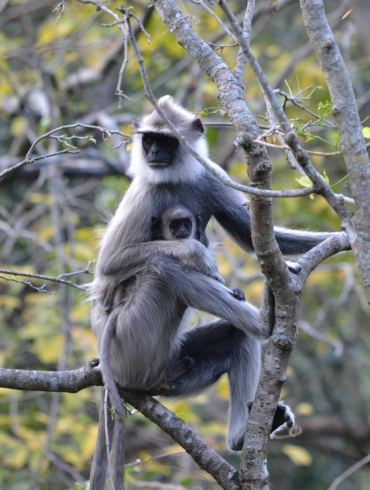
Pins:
x,y
89,375
349,128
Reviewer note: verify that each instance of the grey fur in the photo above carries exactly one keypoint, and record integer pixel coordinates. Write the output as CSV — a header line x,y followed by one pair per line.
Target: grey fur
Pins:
x,y
148,285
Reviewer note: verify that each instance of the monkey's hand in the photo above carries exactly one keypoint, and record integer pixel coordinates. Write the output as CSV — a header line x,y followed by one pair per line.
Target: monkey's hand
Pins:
x,y
204,262
239,294
284,417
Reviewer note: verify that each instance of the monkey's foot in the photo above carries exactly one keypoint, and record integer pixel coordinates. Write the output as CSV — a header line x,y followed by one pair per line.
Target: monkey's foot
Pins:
x,y
294,267
284,417
158,388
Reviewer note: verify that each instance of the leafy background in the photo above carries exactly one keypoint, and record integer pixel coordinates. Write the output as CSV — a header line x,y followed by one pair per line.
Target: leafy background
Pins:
x,y
52,215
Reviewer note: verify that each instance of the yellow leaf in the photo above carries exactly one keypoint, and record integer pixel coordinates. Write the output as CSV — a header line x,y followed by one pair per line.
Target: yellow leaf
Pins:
x,y
47,233
347,14
18,125
17,458
40,198
84,234
7,440
81,312
298,455
36,299
366,132
183,410
304,409
223,388
48,348
10,302
89,441
85,339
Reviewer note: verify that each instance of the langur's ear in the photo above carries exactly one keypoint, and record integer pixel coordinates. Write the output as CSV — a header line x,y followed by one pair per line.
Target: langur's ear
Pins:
x,y
197,125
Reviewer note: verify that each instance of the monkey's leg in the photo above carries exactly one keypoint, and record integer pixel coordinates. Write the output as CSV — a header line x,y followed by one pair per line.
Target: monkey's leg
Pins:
x,y
204,293
99,469
216,349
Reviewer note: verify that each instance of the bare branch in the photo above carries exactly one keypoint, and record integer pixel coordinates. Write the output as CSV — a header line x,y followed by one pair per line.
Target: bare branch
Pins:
x,y
241,63
349,472
79,379
52,381
28,160
225,475
27,283
348,121
331,246
44,278
61,139
291,137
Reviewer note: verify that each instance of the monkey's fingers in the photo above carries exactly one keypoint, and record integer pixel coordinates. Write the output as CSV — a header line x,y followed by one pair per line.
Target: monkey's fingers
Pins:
x,y
238,294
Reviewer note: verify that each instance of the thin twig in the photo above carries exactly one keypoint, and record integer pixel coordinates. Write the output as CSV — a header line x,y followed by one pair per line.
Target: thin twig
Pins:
x,y
27,161
44,278
293,100
291,138
27,283
30,160
210,11
349,472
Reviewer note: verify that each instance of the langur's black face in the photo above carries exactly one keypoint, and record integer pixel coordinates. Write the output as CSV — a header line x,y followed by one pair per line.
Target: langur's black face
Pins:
x,y
159,149
181,228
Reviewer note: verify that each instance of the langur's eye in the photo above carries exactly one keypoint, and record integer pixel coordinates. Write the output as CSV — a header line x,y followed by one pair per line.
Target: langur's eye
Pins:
x,y
148,141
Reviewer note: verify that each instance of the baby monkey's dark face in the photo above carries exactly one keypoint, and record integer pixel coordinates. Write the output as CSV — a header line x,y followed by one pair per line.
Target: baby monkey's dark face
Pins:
x,y
181,228
160,149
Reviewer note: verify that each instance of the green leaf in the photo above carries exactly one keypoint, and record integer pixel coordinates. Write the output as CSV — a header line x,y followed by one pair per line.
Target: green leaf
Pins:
x,y
336,136
91,138
304,181
366,132
325,177
187,481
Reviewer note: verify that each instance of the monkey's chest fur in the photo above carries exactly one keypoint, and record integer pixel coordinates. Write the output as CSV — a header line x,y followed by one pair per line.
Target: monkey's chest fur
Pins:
x,y
195,196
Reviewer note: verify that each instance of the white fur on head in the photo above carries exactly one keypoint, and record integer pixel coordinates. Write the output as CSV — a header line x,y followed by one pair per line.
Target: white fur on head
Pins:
x,y
186,168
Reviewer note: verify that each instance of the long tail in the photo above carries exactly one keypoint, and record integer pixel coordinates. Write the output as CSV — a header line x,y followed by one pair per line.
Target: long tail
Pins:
x,y
295,242
117,444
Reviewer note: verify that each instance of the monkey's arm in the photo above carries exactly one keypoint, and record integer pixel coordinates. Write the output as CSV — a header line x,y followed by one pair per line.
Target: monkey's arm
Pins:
x,y
133,258
234,217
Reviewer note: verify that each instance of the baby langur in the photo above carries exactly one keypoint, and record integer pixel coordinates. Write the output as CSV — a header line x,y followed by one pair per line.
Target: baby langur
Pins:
x,y
179,223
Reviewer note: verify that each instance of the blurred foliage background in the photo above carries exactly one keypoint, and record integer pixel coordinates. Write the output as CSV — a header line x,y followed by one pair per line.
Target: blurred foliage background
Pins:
x,y
52,213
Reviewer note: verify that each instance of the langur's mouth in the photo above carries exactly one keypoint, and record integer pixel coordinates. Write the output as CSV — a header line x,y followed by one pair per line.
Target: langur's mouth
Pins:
x,y
182,236
158,165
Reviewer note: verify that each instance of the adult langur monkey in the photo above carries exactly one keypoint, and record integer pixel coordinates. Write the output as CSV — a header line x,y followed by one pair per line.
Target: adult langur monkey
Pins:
x,y
165,175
